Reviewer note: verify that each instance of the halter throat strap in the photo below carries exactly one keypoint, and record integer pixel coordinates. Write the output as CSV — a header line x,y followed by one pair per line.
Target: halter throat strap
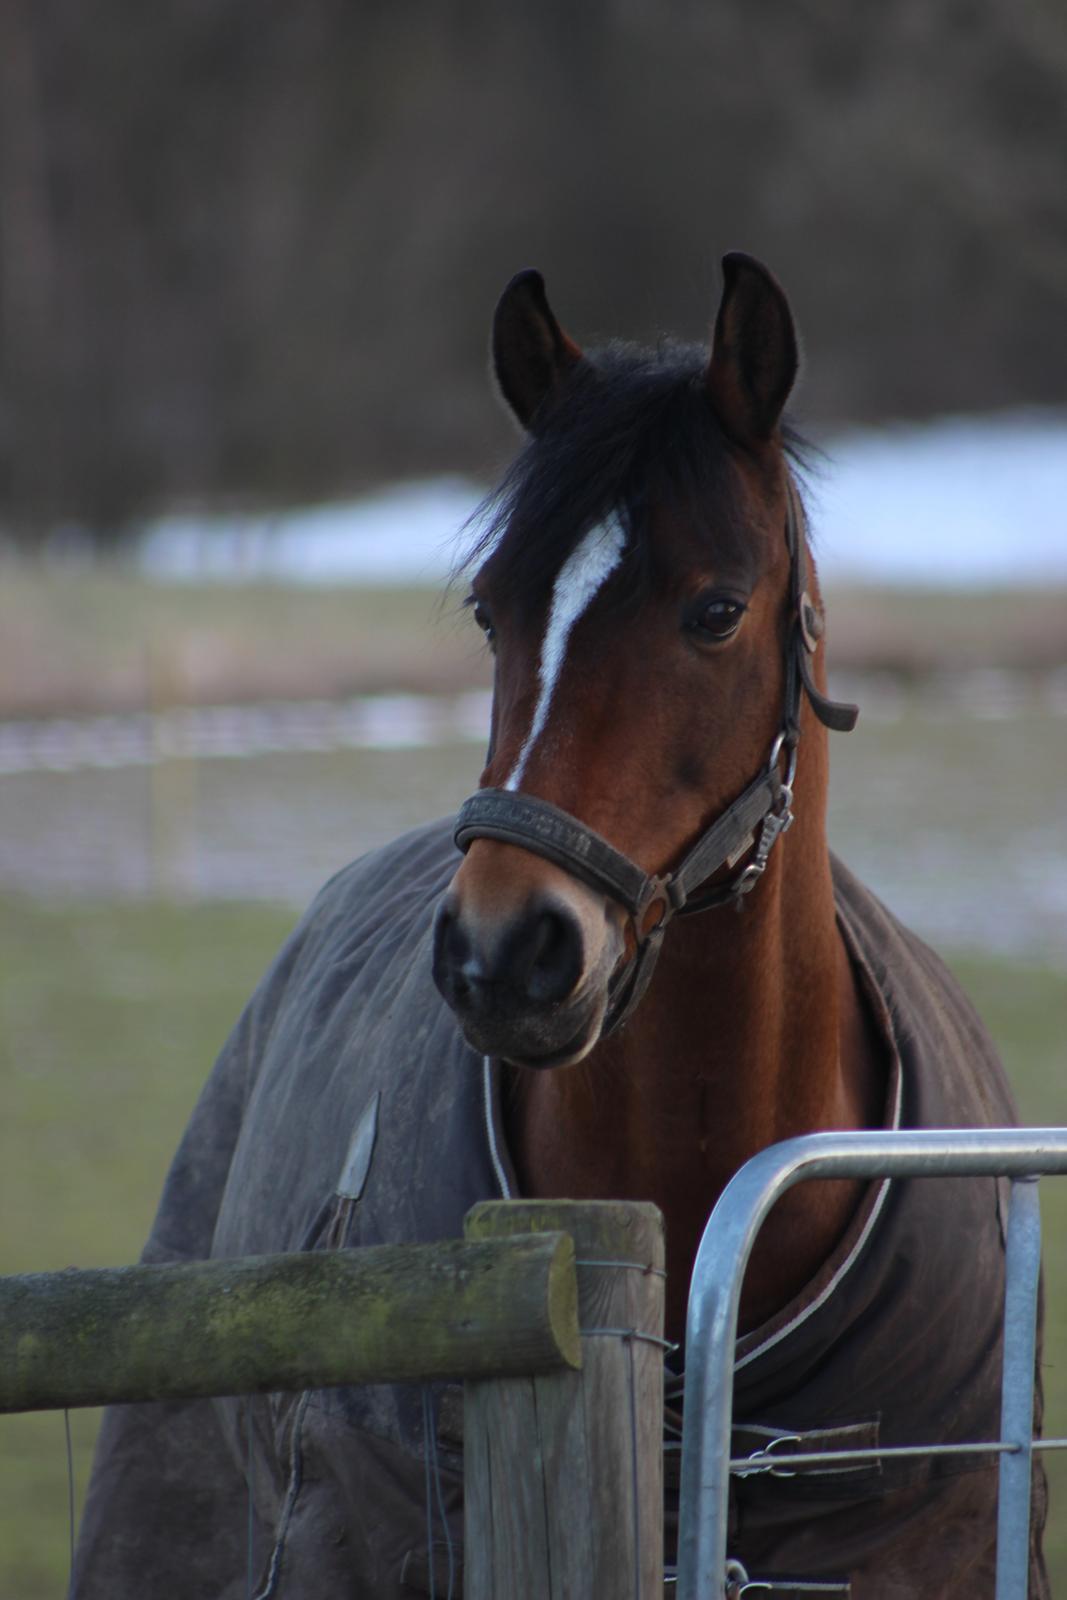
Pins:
x,y
759,815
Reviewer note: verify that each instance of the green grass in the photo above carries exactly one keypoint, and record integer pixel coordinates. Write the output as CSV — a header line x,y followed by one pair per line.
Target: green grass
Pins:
x,y
110,1016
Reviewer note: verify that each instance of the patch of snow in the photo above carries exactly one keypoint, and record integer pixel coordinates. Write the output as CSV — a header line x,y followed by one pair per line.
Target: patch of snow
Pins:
x,y
406,533
960,501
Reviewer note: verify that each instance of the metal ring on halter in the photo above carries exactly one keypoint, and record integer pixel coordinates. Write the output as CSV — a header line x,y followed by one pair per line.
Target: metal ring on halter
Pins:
x,y
791,768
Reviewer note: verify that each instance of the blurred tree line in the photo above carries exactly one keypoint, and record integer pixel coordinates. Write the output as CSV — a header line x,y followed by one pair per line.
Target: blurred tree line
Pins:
x,y
249,250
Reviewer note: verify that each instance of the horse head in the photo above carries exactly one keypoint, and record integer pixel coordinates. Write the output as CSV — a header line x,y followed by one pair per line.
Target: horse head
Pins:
x,y
642,584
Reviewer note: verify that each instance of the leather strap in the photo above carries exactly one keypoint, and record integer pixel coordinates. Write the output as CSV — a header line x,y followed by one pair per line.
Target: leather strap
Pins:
x,y
725,837
770,1449
838,715
808,622
536,824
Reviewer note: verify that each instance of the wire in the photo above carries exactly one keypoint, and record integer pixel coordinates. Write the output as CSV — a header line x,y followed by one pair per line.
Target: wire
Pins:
x,y
249,1585
70,1488
433,1467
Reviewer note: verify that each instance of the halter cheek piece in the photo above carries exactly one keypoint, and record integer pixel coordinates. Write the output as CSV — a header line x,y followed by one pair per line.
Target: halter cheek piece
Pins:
x,y
766,805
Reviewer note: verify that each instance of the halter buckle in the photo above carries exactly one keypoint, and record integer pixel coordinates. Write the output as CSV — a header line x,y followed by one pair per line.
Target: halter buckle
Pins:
x,y
671,896
775,823
769,1449
811,621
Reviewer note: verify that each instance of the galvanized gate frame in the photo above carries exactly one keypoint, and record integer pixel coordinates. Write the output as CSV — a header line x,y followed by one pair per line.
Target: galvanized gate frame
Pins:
x,y
1021,1154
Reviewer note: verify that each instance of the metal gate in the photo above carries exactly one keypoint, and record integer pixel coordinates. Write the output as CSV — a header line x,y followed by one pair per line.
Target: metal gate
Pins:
x,y
1021,1154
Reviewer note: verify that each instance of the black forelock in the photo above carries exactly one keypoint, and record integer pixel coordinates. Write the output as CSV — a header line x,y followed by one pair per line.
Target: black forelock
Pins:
x,y
634,432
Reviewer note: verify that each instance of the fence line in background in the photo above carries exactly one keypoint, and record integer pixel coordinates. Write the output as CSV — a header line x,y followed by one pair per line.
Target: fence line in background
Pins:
x,y
424,721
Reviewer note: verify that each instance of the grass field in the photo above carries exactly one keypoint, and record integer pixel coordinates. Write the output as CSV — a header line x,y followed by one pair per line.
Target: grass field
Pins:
x,y
105,639
110,1016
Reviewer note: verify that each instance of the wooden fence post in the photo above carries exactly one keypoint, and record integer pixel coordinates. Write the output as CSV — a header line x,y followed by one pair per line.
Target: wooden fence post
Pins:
x,y
564,1472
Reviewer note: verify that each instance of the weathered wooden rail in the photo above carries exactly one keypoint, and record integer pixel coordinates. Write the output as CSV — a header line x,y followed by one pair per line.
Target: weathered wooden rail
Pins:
x,y
551,1313
388,1314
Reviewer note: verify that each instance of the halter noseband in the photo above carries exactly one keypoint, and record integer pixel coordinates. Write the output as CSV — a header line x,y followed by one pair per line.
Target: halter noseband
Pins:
x,y
546,830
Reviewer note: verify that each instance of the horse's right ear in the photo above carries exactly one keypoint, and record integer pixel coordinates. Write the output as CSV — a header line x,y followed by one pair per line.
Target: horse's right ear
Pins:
x,y
754,352
531,352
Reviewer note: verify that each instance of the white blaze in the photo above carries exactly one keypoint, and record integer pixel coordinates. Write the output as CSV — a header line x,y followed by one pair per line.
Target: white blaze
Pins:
x,y
579,580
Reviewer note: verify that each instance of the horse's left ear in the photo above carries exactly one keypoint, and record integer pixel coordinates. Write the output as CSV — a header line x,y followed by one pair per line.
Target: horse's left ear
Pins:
x,y
754,352
531,352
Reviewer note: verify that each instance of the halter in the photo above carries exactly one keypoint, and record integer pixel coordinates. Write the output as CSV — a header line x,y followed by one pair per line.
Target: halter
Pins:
x,y
766,805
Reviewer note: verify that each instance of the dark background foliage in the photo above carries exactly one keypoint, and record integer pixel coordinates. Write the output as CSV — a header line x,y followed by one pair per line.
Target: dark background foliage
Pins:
x,y
248,249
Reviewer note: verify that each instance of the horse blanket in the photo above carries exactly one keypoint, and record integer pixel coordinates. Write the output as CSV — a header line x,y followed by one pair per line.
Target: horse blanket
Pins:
x,y
346,1110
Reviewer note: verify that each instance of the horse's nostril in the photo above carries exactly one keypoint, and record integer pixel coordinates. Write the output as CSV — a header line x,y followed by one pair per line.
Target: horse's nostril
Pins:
x,y
536,958
451,949
556,956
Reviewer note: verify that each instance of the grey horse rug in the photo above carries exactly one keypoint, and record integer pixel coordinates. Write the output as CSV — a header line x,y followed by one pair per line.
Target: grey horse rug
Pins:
x,y
346,1110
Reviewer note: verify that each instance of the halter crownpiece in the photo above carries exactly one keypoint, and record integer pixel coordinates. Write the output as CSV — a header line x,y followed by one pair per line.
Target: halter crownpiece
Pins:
x,y
766,805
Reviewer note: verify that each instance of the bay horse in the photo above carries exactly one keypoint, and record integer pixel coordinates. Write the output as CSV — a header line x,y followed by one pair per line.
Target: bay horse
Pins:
x,y
648,967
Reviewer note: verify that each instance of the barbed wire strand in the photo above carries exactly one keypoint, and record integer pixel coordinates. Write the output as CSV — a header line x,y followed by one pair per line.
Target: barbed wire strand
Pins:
x,y
70,1488
249,1585
634,1485
441,1509
427,1422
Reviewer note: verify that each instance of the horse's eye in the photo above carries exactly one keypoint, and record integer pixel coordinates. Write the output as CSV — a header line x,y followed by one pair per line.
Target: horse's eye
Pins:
x,y
483,619
717,618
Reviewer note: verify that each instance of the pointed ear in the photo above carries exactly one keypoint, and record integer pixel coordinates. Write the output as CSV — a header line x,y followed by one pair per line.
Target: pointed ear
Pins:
x,y
531,352
754,352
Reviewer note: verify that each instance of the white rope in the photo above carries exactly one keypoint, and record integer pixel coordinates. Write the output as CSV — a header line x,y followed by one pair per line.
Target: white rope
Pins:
x,y
490,1128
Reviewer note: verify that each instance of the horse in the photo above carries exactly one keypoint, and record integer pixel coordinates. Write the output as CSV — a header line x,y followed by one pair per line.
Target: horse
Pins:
x,y
628,965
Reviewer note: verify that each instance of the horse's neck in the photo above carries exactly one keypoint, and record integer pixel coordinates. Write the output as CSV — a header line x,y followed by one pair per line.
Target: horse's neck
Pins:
x,y
750,1032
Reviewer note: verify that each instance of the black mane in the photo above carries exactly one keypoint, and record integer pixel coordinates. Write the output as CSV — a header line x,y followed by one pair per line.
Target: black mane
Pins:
x,y
636,431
